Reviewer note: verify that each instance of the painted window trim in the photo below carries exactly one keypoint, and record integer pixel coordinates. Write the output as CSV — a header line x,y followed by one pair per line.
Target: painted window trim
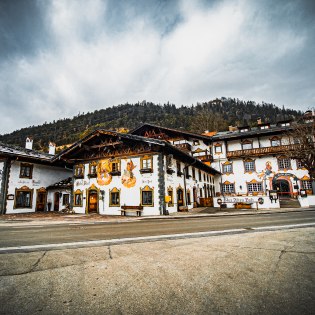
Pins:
x,y
147,189
23,189
284,158
226,164
30,166
146,169
115,190
171,203
77,192
249,161
76,168
92,174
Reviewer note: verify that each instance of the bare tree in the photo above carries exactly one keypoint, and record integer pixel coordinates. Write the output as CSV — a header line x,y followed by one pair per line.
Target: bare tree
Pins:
x,y
303,148
208,120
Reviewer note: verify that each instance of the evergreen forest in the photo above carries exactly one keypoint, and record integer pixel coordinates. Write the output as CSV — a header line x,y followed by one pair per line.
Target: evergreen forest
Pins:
x,y
214,115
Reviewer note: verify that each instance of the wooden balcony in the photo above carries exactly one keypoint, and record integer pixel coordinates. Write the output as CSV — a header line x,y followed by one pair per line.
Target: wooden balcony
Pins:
x,y
205,158
261,151
183,146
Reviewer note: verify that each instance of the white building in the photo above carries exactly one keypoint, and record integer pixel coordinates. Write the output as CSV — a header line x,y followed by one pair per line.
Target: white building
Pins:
x,y
24,177
115,171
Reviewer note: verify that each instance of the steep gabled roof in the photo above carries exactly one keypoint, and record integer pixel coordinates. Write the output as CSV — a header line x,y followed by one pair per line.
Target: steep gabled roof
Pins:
x,y
141,130
18,152
160,145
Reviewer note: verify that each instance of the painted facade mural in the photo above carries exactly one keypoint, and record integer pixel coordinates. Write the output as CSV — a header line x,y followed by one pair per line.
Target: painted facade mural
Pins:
x,y
128,179
103,173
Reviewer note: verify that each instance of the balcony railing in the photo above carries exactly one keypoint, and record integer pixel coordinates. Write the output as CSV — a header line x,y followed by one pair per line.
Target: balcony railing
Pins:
x,y
262,151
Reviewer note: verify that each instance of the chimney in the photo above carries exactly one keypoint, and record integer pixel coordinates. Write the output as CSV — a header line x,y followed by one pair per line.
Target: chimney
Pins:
x,y
52,148
259,122
29,143
232,128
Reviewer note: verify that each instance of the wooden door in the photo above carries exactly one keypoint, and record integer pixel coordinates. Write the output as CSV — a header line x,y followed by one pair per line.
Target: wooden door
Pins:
x,y
93,201
41,200
56,201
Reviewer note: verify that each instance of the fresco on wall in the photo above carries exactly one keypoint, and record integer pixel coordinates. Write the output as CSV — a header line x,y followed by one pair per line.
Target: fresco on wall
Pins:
x,y
267,172
103,170
128,179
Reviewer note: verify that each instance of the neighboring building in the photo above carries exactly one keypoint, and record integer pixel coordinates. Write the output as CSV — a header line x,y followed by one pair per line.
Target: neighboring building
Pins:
x,y
113,170
193,144
59,195
24,177
253,161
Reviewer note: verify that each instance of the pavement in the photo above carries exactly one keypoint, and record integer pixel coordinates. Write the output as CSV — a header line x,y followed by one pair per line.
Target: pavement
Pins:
x,y
53,218
255,273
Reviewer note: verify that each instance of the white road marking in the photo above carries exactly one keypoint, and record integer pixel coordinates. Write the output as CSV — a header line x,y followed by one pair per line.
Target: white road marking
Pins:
x,y
140,239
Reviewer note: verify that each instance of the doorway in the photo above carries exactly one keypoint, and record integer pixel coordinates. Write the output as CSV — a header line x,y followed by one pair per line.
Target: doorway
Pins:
x,y
93,201
283,188
56,201
180,198
41,200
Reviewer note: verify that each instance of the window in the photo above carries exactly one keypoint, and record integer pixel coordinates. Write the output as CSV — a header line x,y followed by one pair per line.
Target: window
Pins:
x,y
199,175
26,170
65,199
147,196
244,130
79,171
299,164
196,142
188,197
200,191
170,194
23,197
179,169
115,167
275,142
218,148
284,163
264,127
146,164
187,172
249,166
307,184
254,187
92,169
227,168
114,197
193,173
228,188
247,145
78,198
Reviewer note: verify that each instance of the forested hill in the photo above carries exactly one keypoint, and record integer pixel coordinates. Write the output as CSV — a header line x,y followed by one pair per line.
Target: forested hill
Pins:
x,y
213,115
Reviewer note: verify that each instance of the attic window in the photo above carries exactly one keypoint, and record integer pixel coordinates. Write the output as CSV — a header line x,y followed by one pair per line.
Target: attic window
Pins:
x,y
264,127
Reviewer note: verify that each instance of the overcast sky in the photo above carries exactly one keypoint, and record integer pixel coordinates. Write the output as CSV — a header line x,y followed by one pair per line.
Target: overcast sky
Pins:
x,y
59,57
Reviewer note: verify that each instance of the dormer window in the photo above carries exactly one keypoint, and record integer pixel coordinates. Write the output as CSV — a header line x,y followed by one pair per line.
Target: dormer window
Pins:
x,y
244,130
247,145
275,141
264,127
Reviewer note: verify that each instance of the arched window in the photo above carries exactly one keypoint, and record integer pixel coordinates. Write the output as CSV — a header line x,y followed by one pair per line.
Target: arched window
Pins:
x,y
147,196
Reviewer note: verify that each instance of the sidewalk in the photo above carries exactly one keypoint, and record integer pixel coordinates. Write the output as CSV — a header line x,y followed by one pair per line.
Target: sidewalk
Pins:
x,y
52,218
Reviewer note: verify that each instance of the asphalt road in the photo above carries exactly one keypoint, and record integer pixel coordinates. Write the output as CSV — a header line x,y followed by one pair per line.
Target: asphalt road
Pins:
x,y
11,236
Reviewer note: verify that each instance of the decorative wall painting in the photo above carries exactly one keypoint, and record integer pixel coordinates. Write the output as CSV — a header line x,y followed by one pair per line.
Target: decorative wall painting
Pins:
x,y
128,179
103,173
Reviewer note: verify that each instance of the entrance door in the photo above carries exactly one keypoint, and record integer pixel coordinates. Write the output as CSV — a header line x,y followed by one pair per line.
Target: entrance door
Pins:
x,y
93,201
41,200
56,201
180,198
283,188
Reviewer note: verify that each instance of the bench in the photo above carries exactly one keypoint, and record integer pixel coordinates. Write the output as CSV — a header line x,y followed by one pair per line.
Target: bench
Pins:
x,y
136,209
